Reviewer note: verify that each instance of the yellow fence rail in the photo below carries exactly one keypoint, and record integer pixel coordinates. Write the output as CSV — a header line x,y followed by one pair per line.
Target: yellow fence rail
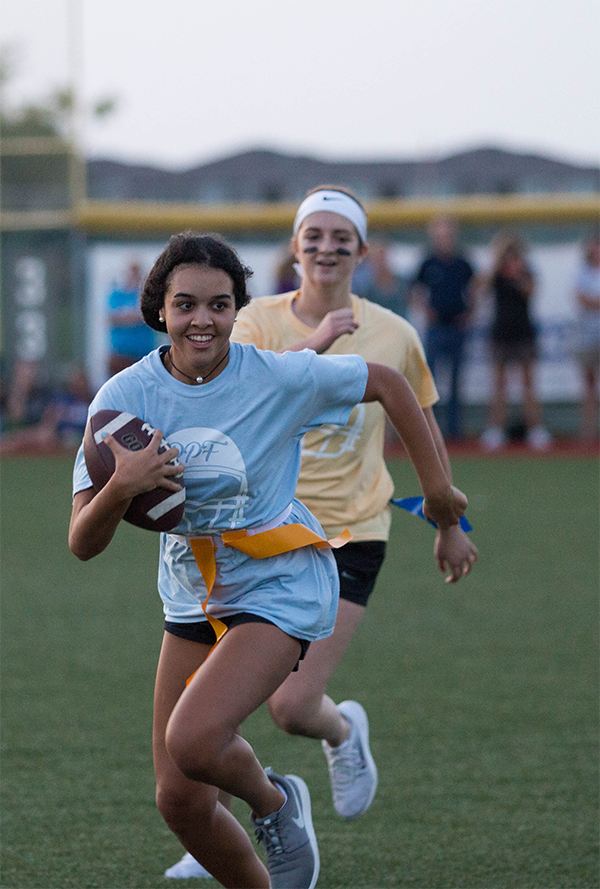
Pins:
x,y
147,218
140,217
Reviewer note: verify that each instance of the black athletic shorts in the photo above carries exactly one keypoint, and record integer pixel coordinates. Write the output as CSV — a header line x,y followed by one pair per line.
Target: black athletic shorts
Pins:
x,y
358,566
201,630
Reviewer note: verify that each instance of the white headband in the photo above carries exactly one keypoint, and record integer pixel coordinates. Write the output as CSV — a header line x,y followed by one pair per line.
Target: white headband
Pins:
x,y
333,202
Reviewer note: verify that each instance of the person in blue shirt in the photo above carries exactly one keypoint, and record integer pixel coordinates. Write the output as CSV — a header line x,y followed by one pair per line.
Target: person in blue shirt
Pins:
x,y
445,284
130,337
248,567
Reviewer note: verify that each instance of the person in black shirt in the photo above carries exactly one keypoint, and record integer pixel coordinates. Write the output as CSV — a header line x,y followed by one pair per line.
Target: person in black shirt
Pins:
x,y
513,342
444,282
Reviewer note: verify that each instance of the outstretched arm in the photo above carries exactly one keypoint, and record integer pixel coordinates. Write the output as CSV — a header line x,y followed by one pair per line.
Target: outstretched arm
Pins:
x,y
438,440
454,550
444,504
95,516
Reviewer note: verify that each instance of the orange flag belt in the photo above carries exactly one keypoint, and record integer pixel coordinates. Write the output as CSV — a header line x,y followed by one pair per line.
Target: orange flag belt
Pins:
x,y
261,545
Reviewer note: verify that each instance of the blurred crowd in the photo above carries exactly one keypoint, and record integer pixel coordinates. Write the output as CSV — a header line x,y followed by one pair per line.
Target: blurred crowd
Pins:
x,y
443,291
40,417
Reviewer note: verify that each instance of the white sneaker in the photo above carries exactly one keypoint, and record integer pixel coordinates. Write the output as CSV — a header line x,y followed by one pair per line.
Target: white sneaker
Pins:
x,y
186,868
493,438
352,770
539,438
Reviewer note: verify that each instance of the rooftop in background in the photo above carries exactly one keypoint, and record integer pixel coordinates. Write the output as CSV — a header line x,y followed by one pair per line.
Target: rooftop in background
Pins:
x,y
269,176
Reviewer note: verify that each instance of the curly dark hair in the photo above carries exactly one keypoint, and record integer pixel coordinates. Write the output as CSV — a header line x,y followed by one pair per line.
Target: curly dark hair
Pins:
x,y
191,248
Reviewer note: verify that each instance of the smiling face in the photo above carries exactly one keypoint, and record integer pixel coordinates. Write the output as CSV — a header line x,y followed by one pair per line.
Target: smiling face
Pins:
x,y
328,248
199,311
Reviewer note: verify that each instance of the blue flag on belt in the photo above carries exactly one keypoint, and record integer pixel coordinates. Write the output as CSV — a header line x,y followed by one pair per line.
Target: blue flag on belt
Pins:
x,y
414,505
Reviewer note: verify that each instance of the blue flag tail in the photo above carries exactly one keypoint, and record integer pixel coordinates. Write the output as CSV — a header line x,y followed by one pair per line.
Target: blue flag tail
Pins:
x,y
414,505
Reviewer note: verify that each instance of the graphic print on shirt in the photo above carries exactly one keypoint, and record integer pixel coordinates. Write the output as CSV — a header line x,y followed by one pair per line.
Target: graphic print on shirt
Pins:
x,y
214,476
333,441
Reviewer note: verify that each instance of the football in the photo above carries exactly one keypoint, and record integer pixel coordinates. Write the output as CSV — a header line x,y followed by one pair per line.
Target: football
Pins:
x,y
157,510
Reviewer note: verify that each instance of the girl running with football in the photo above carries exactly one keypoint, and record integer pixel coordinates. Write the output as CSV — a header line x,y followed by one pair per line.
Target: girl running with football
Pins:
x,y
248,566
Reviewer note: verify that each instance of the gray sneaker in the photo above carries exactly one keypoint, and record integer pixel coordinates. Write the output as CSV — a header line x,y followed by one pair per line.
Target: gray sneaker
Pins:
x,y
289,837
352,769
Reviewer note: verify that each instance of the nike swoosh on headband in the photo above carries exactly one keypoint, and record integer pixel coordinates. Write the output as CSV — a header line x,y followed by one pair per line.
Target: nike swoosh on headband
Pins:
x,y
345,206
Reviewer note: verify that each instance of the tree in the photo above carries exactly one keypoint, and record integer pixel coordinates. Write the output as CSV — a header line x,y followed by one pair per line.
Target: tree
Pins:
x,y
50,116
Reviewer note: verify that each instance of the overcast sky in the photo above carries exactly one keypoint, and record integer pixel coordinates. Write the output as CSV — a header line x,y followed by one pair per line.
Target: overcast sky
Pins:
x,y
344,79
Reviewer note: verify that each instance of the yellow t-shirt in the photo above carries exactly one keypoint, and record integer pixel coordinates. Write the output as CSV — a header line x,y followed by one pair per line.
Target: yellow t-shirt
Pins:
x,y
344,480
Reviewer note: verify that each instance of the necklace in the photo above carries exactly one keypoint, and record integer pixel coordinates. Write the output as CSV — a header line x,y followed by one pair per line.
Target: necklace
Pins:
x,y
196,379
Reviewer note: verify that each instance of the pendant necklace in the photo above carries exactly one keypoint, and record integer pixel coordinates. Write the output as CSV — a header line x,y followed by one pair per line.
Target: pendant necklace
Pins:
x,y
196,379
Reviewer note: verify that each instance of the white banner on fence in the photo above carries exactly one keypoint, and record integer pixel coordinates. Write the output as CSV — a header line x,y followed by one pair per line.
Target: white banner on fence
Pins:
x,y
555,267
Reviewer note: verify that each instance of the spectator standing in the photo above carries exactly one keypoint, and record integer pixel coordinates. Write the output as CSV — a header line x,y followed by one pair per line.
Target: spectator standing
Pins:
x,y
444,283
587,293
513,341
130,338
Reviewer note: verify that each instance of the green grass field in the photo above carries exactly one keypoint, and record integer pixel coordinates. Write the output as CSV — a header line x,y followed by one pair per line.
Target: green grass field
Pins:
x,y
483,697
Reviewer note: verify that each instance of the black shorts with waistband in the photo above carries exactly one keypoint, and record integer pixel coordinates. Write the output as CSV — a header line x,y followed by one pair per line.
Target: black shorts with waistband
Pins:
x,y
201,630
358,564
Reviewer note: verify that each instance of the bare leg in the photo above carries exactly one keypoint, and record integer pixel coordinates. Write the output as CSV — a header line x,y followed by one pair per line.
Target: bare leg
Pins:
x,y
589,405
247,666
200,723
190,808
531,405
23,383
498,398
300,705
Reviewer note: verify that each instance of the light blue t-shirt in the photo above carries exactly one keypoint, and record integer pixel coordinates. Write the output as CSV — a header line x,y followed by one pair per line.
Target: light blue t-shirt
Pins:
x,y
239,438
